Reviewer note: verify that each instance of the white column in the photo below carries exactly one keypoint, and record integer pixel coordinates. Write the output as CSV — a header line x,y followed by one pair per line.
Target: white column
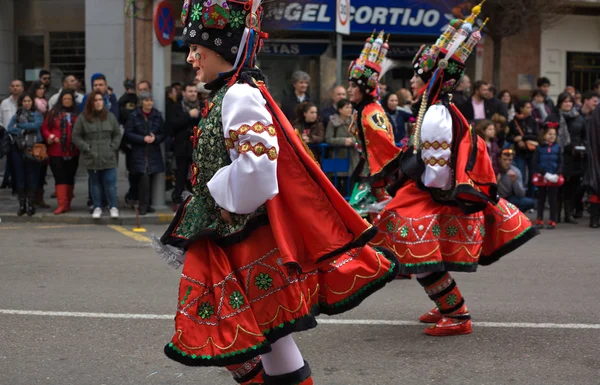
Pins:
x,y
7,46
160,75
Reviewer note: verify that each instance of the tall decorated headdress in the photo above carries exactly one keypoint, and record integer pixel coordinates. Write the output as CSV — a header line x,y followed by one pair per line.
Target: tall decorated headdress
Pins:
x,y
444,62
371,65
442,65
232,28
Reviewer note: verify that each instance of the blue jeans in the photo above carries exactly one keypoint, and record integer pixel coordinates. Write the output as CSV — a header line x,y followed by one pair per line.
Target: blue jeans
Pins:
x,y
524,204
525,164
25,172
103,181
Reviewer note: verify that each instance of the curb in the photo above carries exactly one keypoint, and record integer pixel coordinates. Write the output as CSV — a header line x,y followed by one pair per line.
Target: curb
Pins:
x,y
124,220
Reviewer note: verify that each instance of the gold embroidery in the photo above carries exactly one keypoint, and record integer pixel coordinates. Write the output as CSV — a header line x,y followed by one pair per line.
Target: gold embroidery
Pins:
x,y
258,149
302,301
380,121
436,145
433,161
210,339
257,127
229,143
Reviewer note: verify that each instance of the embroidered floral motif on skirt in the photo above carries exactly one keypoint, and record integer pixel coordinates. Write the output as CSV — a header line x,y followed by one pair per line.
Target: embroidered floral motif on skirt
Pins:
x,y
426,236
235,301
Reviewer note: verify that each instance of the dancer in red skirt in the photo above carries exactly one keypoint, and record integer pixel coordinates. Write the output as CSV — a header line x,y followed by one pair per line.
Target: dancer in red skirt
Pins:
x,y
266,242
446,215
372,129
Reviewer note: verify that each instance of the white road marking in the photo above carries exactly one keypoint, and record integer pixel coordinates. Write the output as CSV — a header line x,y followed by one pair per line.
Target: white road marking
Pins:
x,y
324,321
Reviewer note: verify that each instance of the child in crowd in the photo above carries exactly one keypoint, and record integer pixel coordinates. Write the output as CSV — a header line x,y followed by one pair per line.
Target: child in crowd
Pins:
x,y
486,129
548,163
502,130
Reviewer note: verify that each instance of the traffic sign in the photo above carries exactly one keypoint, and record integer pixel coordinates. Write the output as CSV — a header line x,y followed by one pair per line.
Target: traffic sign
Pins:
x,y
164,23
342,24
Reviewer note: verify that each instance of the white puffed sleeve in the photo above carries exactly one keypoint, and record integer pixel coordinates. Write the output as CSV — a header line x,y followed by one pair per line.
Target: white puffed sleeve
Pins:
x,y
251,179
436,145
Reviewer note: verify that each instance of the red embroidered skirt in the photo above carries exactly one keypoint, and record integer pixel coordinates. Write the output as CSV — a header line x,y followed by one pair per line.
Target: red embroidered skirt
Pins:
x,y
237,300
426,236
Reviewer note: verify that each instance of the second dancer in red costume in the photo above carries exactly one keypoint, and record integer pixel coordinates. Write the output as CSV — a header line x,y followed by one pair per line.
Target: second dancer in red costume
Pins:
x,y
445,215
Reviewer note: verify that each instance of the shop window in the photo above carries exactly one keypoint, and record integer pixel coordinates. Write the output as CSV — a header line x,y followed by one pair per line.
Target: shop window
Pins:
x,y
31,57
67,53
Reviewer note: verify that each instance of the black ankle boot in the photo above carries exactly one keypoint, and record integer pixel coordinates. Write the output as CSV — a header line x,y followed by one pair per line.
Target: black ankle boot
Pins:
x,y
31,204
22,205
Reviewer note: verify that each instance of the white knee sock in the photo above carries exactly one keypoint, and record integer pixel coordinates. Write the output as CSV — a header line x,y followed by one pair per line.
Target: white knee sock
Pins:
x,y
284,358
422,275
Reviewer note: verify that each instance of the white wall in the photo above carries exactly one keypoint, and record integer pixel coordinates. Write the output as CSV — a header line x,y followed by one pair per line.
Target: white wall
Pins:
x,y
105,42
7,46
572,33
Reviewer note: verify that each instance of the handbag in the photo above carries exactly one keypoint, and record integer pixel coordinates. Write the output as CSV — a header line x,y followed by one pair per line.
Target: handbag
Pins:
x,y
32,151
531,144
539,181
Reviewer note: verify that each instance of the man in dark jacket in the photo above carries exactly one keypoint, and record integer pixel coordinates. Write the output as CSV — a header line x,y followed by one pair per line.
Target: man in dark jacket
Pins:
x,y
299,94
543,84
181,119
482,104
338,93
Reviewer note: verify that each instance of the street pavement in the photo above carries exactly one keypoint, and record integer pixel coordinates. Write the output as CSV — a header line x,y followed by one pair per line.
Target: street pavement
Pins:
x,y
536,317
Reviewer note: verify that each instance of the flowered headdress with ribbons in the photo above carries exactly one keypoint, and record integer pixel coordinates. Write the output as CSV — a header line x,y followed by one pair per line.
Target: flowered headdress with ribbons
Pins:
x,y
371,65
232,28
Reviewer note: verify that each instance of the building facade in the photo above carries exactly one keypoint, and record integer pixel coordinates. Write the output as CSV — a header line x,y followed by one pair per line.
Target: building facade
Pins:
x,y
84,37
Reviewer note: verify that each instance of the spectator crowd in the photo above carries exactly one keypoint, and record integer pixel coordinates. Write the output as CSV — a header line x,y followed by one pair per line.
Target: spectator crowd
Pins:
x,y
537,146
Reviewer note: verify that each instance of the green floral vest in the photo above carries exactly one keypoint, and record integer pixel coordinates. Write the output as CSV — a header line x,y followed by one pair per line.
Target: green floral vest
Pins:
x,y
201,215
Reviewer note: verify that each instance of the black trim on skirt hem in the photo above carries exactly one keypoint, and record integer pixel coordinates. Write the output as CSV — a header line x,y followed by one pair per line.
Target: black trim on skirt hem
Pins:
x,y
509,247
301,324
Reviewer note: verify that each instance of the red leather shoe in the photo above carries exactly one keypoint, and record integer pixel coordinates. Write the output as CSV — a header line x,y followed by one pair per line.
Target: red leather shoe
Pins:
x,y
449,326
433,316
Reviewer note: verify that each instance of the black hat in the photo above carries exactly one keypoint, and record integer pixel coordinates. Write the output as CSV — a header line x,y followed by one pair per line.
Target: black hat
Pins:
x,y
224,26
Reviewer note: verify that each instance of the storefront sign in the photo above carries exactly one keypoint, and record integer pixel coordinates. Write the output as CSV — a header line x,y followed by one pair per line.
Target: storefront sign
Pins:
x,y
413,17
164,23
293,49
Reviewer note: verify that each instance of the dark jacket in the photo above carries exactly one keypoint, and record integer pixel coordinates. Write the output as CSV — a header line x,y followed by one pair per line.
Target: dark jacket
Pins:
x,y
289,103
494,152
127,103
574,160
548,159
98,142
145,158
181,127
459,97
492,106
399,119
327,113
530,131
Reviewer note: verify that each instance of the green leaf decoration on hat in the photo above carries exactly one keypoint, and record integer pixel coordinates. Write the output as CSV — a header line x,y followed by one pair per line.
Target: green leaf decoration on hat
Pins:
x,y
452,68
237,19
196,11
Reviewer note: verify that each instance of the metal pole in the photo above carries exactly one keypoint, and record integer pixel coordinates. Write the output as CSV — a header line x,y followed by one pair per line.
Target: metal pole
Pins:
x,y
339,45
159,69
